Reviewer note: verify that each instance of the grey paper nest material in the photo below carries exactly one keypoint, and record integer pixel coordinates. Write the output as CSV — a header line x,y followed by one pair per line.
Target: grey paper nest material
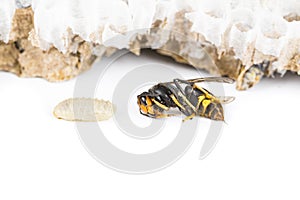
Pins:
x,y
20,56
242,39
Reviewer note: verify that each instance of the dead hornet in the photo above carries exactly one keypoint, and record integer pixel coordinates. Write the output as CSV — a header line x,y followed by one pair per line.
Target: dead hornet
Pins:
x,y
190,99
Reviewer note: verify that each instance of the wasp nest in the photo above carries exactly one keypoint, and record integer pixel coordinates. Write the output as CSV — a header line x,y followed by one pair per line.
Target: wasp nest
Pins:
x,y
241,39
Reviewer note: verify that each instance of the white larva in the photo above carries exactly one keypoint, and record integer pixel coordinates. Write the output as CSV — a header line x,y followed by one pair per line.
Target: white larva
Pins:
x,y
84,109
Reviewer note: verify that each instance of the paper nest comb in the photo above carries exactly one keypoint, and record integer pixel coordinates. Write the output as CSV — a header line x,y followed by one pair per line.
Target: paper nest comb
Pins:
x,y
241,39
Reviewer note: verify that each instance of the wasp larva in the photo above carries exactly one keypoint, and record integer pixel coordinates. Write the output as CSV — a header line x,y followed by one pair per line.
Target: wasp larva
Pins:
x,y
84,109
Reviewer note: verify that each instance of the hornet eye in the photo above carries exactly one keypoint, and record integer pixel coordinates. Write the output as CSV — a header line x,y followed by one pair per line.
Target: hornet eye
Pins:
x,y
143,100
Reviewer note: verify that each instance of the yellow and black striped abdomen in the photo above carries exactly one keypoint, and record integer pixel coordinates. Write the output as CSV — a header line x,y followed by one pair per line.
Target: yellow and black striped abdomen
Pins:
x,y
210,109
206,104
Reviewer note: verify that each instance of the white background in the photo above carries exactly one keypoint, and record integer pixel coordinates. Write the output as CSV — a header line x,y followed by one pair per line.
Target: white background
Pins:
x,y
257,157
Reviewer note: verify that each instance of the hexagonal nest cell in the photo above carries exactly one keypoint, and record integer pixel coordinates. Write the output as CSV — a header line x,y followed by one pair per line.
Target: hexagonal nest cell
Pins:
x,y
241,39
